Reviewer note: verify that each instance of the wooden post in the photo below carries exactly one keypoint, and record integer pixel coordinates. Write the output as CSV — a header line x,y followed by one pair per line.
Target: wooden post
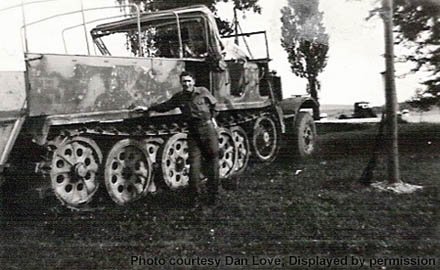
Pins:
x,y
390,96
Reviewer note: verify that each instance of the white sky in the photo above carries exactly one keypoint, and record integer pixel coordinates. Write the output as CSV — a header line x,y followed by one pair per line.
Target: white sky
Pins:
x,y
352,73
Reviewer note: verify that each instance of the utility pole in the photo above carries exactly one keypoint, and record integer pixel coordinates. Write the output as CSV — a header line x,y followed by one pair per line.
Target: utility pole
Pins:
x,y
236,40
390,96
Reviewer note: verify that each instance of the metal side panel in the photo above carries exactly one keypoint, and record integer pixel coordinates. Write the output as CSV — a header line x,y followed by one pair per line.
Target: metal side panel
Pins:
x,y
12,94
70,84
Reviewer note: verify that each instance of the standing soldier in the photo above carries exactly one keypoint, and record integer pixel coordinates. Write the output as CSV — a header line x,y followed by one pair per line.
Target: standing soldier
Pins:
x,y
197,106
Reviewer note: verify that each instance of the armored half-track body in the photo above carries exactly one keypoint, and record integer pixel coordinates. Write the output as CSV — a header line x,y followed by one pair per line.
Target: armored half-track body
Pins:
x,y
69,120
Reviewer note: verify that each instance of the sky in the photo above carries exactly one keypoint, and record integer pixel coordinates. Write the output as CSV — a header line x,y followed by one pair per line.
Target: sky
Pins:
x,y
353,72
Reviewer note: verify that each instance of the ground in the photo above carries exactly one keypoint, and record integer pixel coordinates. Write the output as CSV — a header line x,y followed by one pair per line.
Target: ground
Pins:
x,y
290,211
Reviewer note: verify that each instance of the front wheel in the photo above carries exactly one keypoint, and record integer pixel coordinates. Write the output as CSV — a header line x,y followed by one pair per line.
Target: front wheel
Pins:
x,y
304,135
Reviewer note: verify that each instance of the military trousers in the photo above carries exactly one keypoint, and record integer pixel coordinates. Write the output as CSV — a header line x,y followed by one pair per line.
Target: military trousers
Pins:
x,y
203,149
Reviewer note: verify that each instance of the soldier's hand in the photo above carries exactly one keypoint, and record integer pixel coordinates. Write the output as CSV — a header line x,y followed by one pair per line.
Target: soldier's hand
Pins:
x,y
214,122
141,109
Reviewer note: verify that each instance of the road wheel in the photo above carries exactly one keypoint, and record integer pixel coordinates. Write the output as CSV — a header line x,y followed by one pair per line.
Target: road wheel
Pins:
x,y
175,161
152,146
304,135
128,171
228,153
243,151
73,171
265,139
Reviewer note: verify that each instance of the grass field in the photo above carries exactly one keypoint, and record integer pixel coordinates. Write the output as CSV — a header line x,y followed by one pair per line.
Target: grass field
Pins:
x,y
288,210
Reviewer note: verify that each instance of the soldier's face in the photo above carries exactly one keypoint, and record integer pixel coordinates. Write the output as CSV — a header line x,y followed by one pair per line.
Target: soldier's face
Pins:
x,y
187,83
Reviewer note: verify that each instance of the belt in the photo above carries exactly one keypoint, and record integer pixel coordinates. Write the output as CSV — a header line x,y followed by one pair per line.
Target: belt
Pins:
x,y
195,123
209,121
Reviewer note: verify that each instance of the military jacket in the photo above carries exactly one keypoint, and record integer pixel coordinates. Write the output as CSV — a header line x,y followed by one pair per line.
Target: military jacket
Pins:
x,y
198,105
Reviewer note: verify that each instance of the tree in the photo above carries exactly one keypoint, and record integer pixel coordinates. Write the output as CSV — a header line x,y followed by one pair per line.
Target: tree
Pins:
x,y
417,26
305,40
224,26
422,101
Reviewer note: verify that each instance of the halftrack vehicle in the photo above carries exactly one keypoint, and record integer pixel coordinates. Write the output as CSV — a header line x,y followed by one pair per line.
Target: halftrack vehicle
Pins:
x,y
67,123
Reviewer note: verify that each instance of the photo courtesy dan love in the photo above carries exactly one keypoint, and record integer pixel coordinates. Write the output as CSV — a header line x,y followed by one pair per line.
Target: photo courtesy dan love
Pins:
x,y
220,134
285,261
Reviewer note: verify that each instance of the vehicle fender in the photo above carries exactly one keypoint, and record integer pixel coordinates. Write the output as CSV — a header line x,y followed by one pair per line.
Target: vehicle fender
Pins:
x,y
280,116
291,106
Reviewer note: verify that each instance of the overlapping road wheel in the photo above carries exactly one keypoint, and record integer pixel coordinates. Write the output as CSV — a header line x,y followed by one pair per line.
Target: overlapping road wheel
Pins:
x,y
175,161
74,168
243,151
152,146
265,139
128,171
228,153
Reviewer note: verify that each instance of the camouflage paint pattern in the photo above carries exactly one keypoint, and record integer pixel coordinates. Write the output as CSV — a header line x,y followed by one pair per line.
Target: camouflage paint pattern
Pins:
x,y
64,84
239,87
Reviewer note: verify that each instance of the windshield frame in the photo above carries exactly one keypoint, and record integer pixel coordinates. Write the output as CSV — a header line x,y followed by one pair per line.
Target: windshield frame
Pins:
x,y
176,19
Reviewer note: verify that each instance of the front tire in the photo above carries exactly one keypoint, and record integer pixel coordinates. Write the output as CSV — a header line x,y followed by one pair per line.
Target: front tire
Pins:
x,y
304,137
